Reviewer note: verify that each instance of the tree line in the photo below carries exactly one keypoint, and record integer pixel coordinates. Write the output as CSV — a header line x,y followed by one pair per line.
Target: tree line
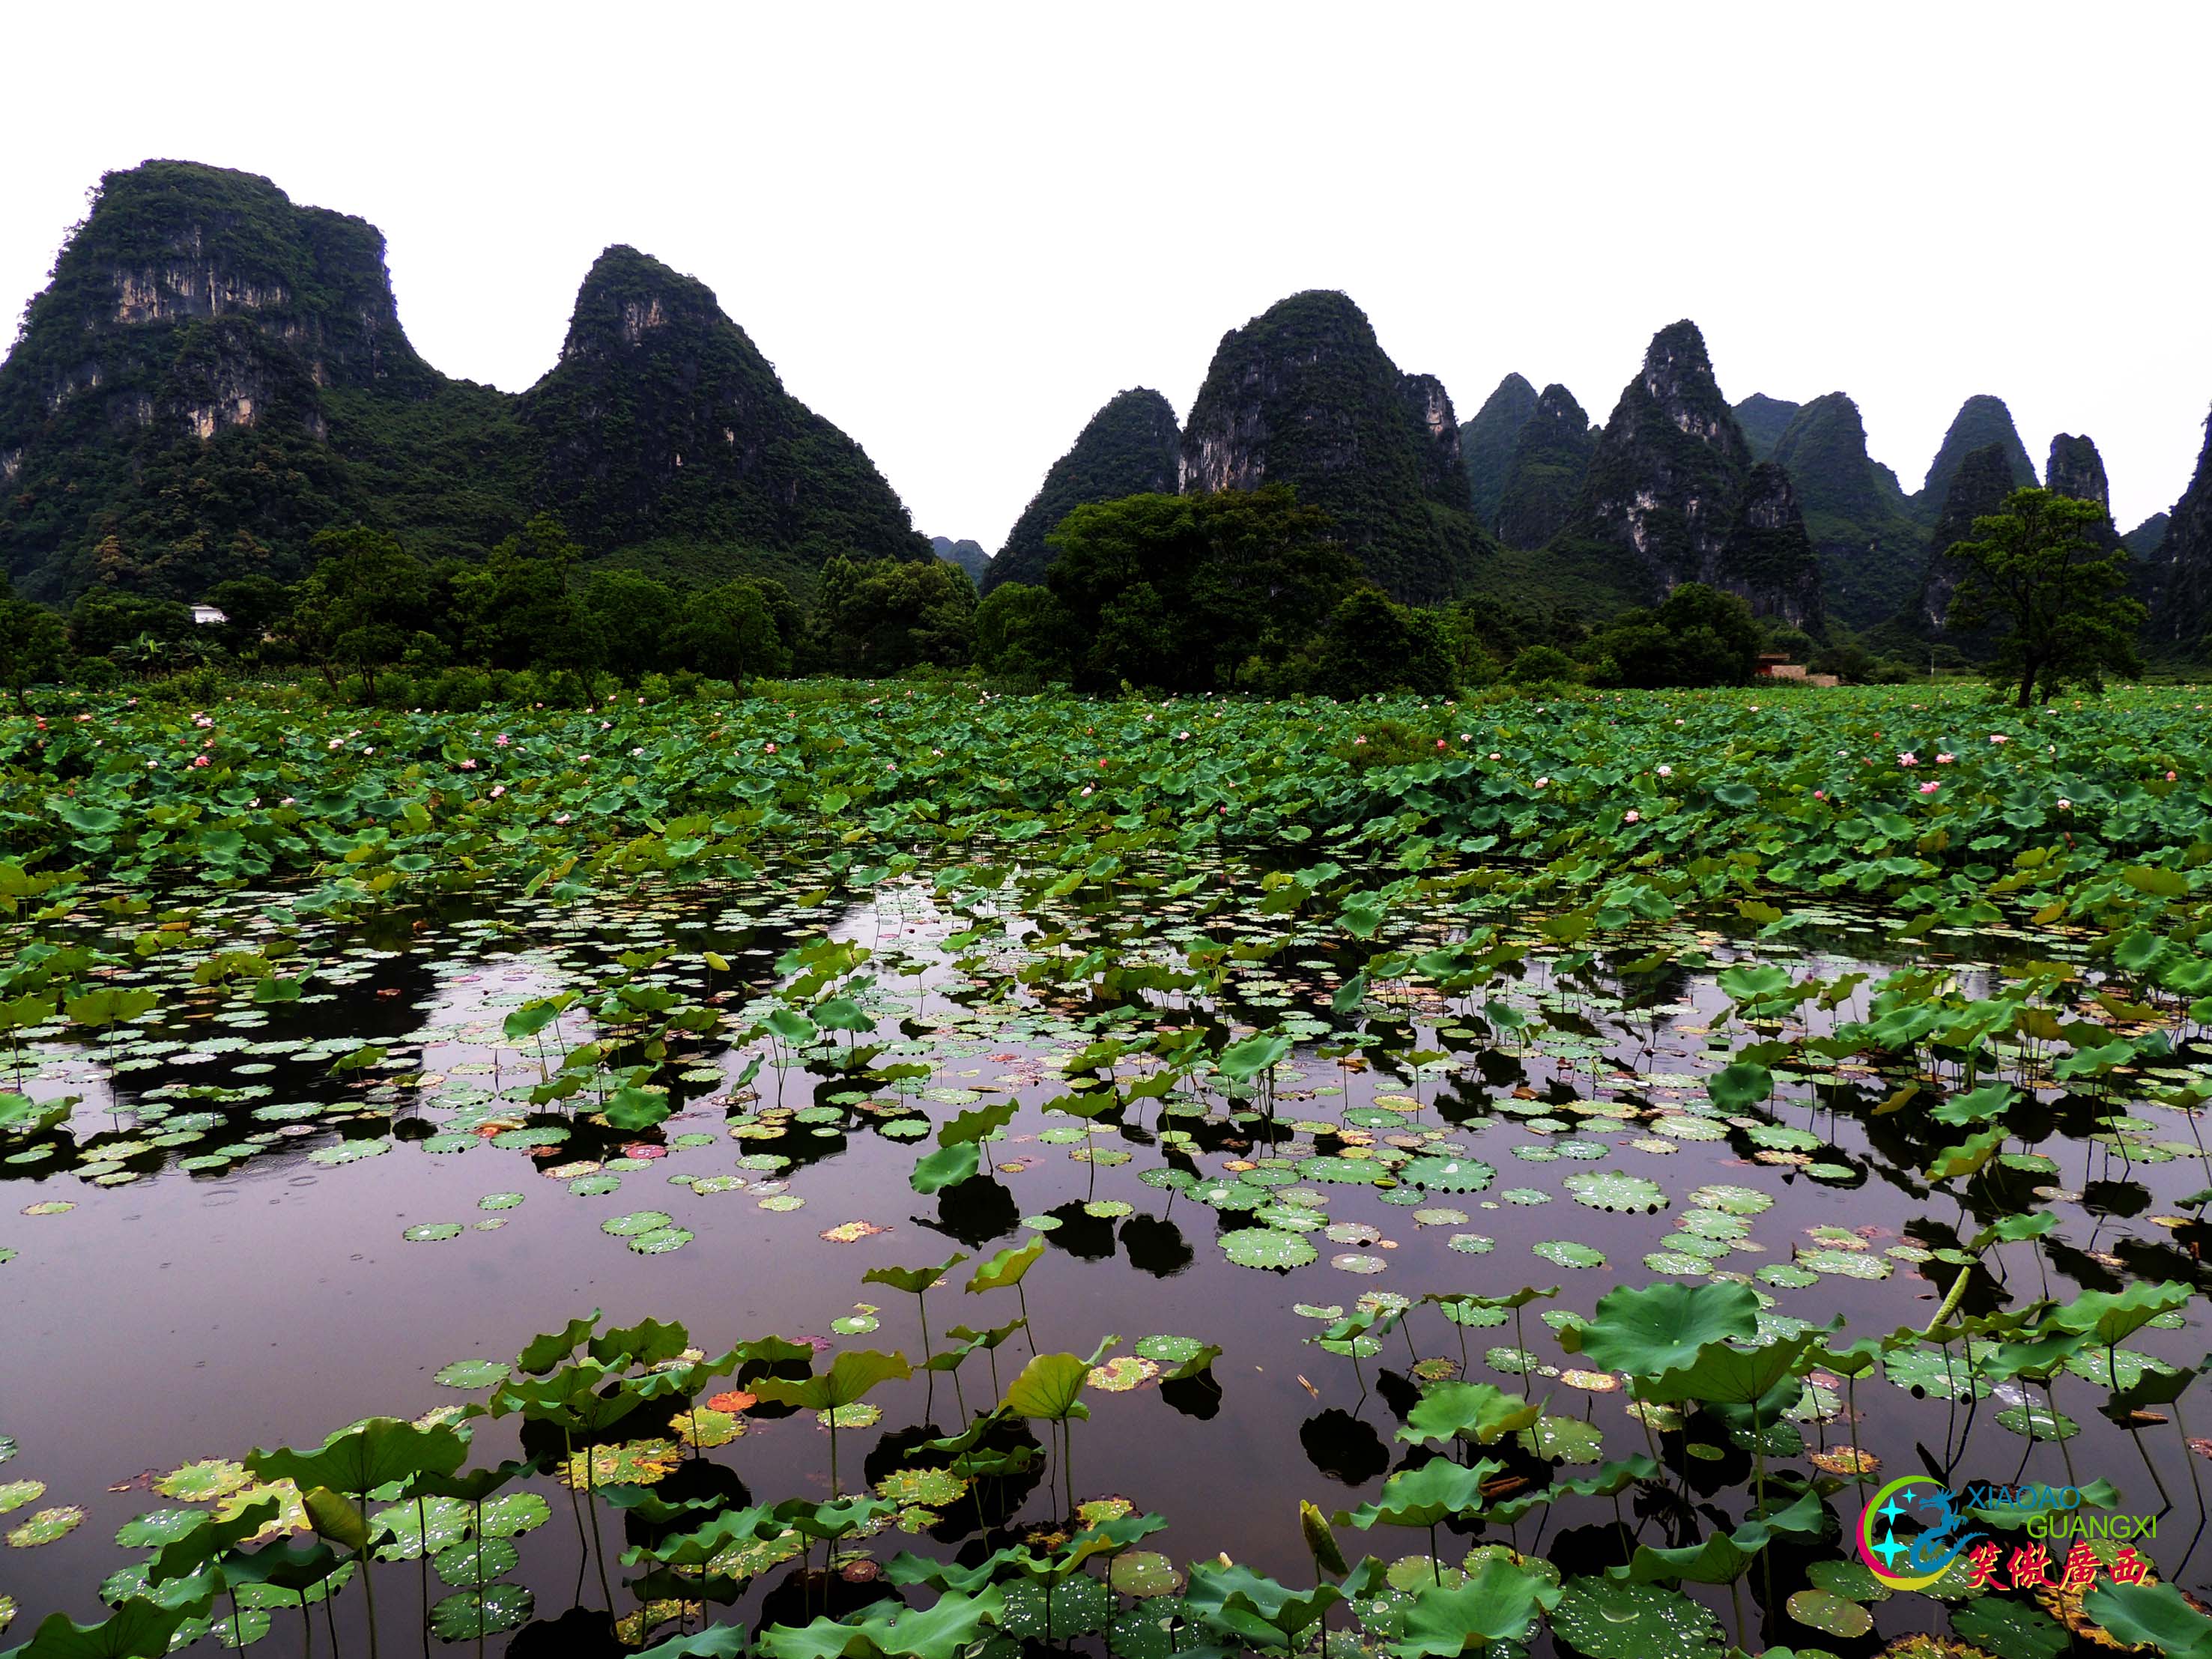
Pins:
x,y
1241,591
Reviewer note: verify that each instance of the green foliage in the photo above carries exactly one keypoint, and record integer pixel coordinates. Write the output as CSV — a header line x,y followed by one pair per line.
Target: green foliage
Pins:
x,y
1024,633
1130,447
1183,591
1871,549
1698,636
359,605
884,616
1487,443
1544,478
2038,568
1304,396
33,645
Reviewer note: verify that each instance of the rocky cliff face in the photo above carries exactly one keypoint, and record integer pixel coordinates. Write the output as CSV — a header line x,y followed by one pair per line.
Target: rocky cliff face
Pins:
x,y
215,374
662,422
1980,484
1768,558
168,397
2075,468
1981,421
1872,553
967,554
1544,478
1303,395
2181,569
1487,442
1132,446
1764,420
1667,485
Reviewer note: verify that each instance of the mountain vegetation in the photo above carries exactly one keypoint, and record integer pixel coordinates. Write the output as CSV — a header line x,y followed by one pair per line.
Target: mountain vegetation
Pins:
x,y
2181,570
1665,489
1487,442
1303,395
214,375
1764,420
1132,446
1979,485
1982,420
970,555
1871,551
1544,478
213,400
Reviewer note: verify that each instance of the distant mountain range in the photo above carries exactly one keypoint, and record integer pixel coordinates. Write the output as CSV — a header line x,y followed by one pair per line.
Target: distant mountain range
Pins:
x,y
214,375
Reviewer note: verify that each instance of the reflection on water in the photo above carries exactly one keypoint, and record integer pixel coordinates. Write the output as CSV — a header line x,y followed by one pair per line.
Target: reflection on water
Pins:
x,y
263,1220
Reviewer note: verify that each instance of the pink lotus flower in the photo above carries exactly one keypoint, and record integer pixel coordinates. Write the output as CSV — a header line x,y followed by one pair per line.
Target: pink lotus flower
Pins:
x,y
199,760
1820,794
497,790
2064,805
1665,771
1908,760
1945,760
501,741
563,818
1999,736
1086,789
1631,816
468,766
1929,787
1543,783
1355,742
1440,742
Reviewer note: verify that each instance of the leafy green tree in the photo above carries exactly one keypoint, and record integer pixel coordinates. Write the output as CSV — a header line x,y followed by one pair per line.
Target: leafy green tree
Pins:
x,y
1184,591
636,616
2038,568
1024,631
883,616
516,610
1698,637
251,606
33,645
358,607
1374,645
729,633
107,620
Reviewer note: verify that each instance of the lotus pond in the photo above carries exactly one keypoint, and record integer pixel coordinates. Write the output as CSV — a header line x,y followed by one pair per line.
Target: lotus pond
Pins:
x,y
878,1173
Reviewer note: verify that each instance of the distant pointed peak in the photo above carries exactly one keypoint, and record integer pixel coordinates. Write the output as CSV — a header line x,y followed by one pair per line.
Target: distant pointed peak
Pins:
x,y
1557,404
1679,343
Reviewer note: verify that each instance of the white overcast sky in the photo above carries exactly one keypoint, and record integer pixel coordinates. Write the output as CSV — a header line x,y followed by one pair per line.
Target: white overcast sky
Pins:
x,y
956,230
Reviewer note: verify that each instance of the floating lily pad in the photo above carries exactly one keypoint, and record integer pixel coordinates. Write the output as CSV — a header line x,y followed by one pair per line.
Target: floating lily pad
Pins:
x,y
203,1481
1616,1189
1604,1619
1566,1253
1267,1247
1122,1374
45,1526
432,1232
468,1614
1447,1175
14,1494
472,1374
635,1223
1829,1614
